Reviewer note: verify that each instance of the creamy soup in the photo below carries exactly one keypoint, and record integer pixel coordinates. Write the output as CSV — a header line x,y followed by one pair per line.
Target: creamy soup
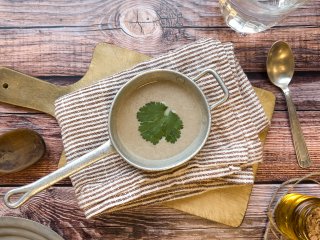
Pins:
x,y
178,98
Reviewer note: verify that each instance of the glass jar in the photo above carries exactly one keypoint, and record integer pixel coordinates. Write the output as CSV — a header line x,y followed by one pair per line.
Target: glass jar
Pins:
x,y
252,16
298,217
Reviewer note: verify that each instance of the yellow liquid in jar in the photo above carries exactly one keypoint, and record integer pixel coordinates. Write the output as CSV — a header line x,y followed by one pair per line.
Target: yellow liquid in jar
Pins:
x,y
292,216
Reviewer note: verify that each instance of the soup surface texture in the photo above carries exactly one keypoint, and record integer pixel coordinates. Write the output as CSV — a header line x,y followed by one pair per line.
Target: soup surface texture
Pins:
x,y
175,95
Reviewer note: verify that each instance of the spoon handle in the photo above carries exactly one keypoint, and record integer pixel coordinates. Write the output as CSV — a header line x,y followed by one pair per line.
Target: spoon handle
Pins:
x,y
299,143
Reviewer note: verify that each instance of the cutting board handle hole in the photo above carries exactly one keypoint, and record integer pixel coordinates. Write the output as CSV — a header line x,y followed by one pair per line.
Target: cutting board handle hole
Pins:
x,y
5,85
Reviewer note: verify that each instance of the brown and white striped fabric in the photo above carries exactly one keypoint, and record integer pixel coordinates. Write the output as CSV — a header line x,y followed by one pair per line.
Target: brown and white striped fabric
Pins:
x,y
233,146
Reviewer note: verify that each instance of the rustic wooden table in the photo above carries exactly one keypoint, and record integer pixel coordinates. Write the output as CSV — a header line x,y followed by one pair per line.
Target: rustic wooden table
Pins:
x,y
54,40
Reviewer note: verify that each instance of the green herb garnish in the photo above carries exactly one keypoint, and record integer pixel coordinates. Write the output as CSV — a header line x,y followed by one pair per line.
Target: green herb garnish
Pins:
x,y
158,121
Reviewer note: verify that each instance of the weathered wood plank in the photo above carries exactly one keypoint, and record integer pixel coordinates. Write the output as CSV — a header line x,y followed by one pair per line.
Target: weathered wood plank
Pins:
x,y
62,13
57,209
279,156
304,87
58,37
305,91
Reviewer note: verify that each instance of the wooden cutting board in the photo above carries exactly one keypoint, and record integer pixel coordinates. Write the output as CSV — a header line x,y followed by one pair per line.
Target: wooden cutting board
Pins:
x,y
225,205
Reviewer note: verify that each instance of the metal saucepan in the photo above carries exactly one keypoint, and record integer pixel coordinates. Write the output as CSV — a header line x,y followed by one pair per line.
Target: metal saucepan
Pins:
x,y
115,144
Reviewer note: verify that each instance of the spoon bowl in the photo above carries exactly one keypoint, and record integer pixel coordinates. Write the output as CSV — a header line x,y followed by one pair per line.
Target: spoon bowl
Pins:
x,y
20,149
280,69
280,64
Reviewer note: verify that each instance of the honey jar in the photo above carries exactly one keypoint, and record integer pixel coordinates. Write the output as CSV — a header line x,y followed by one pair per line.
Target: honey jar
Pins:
x,y
298,217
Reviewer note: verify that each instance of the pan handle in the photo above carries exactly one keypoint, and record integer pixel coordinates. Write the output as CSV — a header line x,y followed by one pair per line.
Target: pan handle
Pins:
x,y
43,183
221,84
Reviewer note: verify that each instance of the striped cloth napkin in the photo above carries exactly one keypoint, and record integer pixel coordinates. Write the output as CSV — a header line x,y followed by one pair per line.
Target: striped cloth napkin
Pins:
x,y
232,147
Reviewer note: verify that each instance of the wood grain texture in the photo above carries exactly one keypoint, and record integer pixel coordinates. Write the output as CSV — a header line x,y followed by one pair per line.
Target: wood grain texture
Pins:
x,y
279,157
305,90
280,161
57,38
44,38
57,209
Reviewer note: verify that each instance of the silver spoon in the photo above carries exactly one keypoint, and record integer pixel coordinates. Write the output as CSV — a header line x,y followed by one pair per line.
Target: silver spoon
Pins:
x,y
20,149
280,68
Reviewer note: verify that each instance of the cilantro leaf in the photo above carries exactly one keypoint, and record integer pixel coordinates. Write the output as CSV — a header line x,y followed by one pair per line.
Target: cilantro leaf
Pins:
x,y
158,121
